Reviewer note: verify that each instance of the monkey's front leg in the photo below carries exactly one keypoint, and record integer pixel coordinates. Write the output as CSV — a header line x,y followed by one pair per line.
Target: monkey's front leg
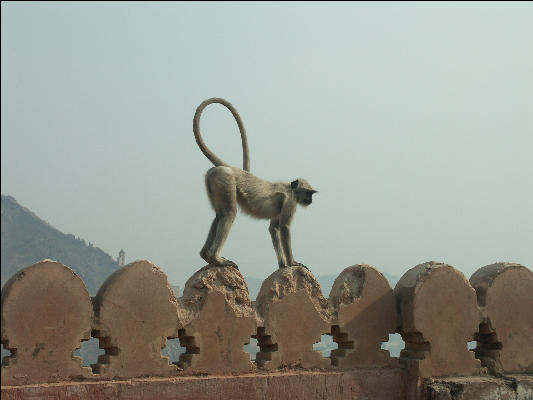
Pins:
x,y
286,246
274,234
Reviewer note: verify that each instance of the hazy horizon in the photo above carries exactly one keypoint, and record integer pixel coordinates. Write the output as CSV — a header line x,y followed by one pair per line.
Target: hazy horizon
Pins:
x,y
413,120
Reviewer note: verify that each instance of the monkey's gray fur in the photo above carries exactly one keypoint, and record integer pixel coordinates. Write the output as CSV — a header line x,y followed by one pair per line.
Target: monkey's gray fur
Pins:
x,y
226,186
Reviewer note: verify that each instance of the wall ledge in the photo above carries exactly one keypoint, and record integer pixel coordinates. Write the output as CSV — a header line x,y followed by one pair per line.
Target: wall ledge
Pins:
x,y
374,383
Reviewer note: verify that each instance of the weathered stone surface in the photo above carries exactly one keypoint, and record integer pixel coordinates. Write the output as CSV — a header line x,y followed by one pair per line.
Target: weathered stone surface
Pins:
x,y
137,311
220,321
226,280
366,314
285,281
439,316
46,313
295,314
524,386
505,297
476,388
220,336
371,384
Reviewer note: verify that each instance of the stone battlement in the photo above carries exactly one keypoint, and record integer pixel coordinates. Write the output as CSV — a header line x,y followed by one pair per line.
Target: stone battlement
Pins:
x,y
47,313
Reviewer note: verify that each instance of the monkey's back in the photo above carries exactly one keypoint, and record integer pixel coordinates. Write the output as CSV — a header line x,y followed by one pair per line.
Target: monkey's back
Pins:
x,y
257,197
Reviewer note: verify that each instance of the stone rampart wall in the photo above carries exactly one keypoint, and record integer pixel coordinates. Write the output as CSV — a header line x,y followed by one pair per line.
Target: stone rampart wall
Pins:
x,y
47,313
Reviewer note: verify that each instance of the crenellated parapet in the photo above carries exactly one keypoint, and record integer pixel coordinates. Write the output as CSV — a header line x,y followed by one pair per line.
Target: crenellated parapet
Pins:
x,y
439,316
294,314
217,321
47,313
364,315
505,300
135,311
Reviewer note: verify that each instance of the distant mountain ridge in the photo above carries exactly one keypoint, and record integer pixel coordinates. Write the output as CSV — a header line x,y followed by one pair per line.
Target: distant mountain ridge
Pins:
x,y
27,239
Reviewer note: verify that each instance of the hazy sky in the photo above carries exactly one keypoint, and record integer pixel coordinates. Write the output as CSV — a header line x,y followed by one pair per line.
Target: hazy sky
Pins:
x,y
413,120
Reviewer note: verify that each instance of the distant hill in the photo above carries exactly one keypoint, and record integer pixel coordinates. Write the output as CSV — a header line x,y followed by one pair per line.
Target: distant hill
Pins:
x,y
27,239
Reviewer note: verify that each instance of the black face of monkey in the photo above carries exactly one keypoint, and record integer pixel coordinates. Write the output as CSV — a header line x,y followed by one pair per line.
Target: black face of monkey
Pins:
x,y
308,199
303,191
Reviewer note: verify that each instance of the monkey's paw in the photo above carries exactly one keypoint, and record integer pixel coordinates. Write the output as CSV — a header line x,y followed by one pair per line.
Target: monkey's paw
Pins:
x,y
295,264
226,263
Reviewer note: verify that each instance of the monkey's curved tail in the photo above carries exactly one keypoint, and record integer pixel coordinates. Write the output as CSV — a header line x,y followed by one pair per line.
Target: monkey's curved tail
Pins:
x,y
208,153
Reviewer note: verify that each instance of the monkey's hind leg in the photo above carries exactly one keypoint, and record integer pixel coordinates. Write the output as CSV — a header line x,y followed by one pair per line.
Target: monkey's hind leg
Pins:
x,y
223,226
204,253
222,192
209,241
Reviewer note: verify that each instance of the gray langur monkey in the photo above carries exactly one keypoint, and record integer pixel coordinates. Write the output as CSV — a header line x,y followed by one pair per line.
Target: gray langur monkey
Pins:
x,y
226,186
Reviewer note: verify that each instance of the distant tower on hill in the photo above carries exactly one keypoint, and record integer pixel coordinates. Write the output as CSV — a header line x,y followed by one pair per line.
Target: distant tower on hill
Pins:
x,y
121,259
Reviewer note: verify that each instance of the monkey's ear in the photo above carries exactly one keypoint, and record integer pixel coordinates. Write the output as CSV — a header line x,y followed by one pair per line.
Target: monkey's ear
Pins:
x,y
294,184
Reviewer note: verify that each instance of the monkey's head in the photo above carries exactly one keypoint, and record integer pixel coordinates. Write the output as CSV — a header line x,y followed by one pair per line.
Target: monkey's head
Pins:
x,y
303,191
